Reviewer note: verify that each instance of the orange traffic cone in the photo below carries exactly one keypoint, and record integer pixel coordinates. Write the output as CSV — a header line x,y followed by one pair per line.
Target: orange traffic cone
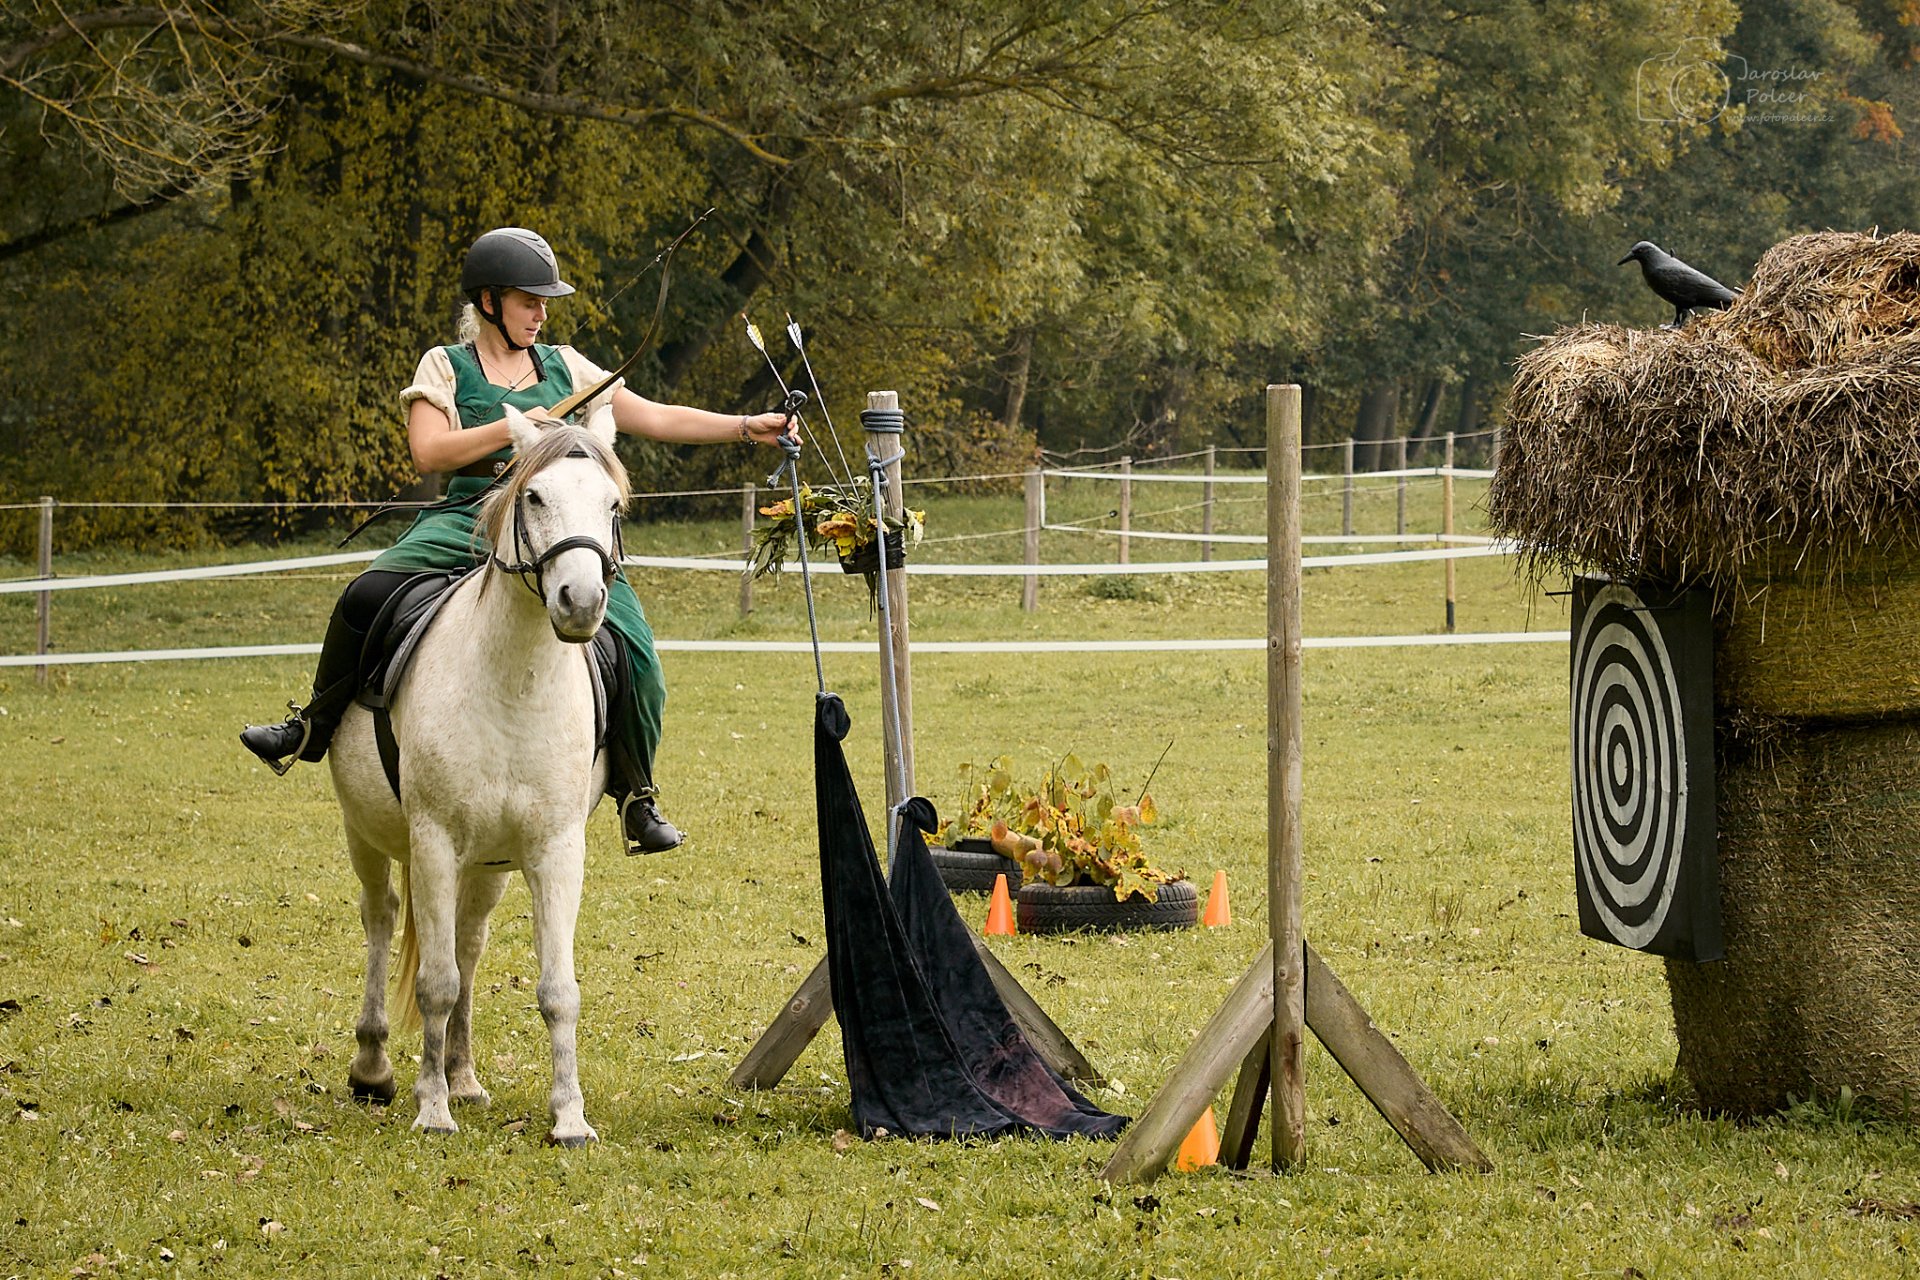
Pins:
x,y
1000,909
1201,1146
1219,909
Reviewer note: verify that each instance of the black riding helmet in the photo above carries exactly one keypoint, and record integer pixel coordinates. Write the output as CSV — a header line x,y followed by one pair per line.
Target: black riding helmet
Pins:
x,y
510,258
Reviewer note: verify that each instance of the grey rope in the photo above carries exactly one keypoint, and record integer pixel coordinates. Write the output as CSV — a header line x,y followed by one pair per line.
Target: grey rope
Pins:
x,y
792,467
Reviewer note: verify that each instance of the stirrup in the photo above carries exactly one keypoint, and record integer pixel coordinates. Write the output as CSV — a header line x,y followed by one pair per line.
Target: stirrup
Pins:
x,y
645,795
284,765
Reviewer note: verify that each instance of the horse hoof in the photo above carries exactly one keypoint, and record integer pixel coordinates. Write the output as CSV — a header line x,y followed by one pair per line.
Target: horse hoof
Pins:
x,y
476,1097
375,1091
437,1129
577,1140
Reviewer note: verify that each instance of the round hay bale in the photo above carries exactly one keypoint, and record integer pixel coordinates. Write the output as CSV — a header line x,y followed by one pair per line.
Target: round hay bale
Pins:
x,y
1820,890
1826,648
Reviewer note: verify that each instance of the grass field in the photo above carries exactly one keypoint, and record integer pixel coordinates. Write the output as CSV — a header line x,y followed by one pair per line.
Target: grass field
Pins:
x,y
180,961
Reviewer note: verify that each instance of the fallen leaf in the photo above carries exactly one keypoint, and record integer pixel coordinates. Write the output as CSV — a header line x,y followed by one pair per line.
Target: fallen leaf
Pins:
x,y
842,1139
931,1206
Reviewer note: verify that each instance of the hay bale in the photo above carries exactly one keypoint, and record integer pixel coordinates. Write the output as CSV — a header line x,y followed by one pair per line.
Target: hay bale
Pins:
x,y
1821,921
1783,427
1839,647
1770,453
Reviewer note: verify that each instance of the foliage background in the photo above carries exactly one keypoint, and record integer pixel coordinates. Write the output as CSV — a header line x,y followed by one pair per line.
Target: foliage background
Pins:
x,y
229,231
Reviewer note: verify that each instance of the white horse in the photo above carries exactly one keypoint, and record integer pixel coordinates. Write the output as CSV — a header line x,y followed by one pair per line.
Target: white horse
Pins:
x,y
498,771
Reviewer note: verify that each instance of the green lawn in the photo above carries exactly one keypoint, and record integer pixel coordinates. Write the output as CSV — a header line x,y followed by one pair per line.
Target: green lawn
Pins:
x,y
180,964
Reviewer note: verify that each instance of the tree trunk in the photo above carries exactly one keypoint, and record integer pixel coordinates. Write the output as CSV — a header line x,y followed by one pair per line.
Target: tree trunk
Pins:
x,y
1469,419
1379,406
1019,363
751,268
1430,407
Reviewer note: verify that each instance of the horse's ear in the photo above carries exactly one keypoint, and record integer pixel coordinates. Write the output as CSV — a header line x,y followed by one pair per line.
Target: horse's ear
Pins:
x,y
523,429
600,425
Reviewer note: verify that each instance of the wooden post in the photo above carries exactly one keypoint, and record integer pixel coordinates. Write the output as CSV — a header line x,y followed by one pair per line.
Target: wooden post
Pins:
x,y
1206,510
746,548
1126,507
886,438
1030,588
1446,522
1284,849
1259,1027
44,606
1400,490
1346,494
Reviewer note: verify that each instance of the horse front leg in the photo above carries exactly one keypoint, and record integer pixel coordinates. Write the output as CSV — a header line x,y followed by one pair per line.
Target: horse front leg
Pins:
x,y
554,881
371,1075
479,893
434,888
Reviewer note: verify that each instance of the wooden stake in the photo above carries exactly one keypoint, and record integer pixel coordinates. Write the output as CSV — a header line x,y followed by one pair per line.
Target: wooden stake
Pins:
x,y
1346,469
44,607
886,441
1030,588
1284,849
1126,509
746,547
1446,521
1400,490
1249,1096
1206,510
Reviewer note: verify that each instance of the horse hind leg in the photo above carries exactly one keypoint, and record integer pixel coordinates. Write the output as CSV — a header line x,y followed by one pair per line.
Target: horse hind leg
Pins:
x,y
554,880
371,1075
479,894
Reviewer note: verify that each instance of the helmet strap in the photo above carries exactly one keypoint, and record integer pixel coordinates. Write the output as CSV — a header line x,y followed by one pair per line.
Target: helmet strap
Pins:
x,y
496,318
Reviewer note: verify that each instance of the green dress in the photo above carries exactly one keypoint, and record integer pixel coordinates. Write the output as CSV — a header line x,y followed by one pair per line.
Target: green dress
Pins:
x,y
445,540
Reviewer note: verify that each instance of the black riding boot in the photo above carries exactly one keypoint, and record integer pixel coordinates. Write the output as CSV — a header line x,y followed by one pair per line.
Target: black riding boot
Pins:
x,y
336,679
628,781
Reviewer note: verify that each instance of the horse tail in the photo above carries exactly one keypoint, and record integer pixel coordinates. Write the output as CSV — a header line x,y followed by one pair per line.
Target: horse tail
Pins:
x,y
405,1003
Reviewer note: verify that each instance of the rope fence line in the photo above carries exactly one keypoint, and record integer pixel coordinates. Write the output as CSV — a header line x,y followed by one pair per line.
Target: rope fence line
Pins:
x,y
1235,644
23,586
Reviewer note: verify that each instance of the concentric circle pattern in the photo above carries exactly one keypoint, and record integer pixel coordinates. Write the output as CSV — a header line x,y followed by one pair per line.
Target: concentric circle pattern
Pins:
x,y
1629,767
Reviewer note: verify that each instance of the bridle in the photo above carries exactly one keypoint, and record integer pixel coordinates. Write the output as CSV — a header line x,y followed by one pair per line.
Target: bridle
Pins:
x,y
532,572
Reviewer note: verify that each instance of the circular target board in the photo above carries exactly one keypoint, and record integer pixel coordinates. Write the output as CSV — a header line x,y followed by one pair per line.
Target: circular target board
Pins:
x,y
1634,811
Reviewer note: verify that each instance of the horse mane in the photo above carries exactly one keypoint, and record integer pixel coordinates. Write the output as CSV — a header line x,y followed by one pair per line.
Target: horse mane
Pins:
x,y
555,442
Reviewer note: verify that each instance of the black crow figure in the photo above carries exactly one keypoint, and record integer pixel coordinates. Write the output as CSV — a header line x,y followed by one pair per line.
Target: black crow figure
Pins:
x,y
1676,282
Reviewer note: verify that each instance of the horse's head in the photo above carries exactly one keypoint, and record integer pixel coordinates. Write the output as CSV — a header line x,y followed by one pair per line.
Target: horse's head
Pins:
x,y
555,522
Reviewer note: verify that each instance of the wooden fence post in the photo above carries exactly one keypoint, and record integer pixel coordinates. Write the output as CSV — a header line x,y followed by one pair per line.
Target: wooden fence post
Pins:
x,y
1400,490
1030,588
746,548
44,608
1126,507
886,438
1346,496
1206,511
1446,525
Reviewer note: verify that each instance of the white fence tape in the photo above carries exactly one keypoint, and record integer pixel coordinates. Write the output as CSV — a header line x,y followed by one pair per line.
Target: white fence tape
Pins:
x,y
1194,477
33,585
1260,539
1236,644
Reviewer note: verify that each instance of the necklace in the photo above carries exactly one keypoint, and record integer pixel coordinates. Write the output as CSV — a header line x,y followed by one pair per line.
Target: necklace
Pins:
x,y
500,378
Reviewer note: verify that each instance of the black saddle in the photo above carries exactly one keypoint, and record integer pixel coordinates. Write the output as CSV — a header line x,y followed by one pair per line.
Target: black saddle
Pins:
x,y
395,637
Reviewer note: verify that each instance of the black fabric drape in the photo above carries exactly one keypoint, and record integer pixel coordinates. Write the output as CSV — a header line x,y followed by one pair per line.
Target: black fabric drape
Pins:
x,y
930,1047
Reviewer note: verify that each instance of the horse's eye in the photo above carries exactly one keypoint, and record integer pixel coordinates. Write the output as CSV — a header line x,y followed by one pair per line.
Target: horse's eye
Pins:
x,y
535,500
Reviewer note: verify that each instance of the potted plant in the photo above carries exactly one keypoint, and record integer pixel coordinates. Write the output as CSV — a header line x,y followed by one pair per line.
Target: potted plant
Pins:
x,y
837,518
1079,850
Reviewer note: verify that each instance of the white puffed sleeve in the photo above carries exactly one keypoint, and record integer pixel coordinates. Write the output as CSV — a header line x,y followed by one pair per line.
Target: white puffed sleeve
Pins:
x,y
433,382
586,376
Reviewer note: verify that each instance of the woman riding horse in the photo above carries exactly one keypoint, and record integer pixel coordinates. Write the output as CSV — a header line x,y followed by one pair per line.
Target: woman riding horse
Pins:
x,y
456,423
